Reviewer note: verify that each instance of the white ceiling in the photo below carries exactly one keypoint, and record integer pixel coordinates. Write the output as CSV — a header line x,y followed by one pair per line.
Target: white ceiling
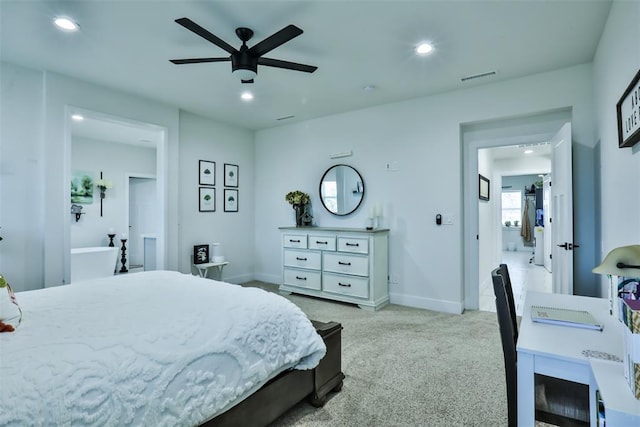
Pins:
x,y
127,45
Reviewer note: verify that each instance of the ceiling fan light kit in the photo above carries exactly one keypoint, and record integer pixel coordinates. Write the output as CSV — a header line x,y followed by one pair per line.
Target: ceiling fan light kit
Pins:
x,y
244,61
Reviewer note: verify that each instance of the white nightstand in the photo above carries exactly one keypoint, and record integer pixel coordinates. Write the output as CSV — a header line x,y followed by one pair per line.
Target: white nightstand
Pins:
x,y
204,268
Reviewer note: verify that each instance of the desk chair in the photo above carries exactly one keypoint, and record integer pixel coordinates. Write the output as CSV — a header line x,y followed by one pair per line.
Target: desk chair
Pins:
x,y
558,401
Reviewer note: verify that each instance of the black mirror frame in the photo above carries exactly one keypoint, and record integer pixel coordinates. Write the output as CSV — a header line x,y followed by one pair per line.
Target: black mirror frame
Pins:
x,y
320,190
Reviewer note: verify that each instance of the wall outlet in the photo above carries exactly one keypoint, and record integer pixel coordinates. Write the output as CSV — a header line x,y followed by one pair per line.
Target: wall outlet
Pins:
x,y
393,166
394,278
447,219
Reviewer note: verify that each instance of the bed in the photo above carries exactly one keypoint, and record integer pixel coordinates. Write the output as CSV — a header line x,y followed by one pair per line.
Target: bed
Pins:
x,y
164,349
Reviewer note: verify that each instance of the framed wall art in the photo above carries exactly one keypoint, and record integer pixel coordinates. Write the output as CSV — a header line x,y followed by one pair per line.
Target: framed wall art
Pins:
x,y
230,175
628,110
483,187
201,254
207,171
230,200
207,199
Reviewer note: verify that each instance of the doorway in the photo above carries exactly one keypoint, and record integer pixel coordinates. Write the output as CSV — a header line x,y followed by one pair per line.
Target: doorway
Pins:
x,y
482,250
124,150
143,226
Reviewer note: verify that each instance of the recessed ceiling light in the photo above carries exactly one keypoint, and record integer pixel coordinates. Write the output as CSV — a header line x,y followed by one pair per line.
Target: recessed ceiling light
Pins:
x,y
369,88
424,48
77,117
246,96
65,23
528,151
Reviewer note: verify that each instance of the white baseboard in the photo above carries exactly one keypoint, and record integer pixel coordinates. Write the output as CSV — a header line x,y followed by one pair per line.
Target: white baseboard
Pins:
x,y
427,303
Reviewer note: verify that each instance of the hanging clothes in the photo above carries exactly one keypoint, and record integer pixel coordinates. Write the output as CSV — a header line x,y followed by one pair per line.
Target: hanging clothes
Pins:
x,y
525,231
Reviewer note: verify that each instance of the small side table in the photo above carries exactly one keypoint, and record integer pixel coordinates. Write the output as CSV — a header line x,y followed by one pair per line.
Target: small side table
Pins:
x,y
203,269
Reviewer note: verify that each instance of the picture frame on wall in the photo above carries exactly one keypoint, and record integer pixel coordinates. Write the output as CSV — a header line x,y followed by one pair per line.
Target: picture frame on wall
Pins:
x,y
483,187
207,172
230,175
230,200
207,199
628,114
201,254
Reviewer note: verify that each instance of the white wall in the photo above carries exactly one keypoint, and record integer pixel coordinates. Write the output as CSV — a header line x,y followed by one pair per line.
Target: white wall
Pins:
x,y
487,212
205,139
616,62
21,177
117,162
423,137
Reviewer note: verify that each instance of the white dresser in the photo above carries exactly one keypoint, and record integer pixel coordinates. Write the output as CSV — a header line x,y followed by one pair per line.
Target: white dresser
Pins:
x,y
344,264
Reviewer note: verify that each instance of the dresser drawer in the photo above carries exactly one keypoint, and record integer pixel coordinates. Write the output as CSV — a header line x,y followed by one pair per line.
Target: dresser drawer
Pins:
x,y
302,278
295,241
302,259
346,285
345,263
353,244
325,243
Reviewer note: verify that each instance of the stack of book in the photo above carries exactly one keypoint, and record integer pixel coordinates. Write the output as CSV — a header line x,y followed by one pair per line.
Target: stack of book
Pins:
x,y
630,317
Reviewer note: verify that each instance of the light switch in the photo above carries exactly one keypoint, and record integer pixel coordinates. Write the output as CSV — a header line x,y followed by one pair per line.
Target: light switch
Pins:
x,y
447,219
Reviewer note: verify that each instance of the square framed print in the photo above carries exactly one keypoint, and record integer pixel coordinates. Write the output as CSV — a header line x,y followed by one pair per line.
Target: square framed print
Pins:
x,y
230,175
230,200
483,187
201,254
207,199
207,172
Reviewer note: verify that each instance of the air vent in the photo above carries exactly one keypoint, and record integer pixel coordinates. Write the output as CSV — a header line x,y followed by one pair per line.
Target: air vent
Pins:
x,y
477,76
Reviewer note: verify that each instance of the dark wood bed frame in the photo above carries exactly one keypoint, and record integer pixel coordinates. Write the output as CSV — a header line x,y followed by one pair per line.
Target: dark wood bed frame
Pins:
x,y
290,387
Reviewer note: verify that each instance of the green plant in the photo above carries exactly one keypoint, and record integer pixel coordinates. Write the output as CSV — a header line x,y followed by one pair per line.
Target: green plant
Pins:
x,y
507,223
297,197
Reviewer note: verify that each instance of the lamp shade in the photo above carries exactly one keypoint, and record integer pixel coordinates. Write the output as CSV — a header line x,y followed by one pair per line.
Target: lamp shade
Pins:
x,y
622,261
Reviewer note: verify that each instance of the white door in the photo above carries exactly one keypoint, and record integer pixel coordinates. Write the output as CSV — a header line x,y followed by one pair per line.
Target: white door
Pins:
x,y
562,212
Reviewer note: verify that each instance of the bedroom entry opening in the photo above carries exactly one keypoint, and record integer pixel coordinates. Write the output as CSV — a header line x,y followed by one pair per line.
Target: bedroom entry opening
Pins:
x,y
130,155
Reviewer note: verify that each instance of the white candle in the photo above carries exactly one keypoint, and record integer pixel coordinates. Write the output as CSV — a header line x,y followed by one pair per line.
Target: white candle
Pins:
x,y
378,209
372,212
112,231
124,235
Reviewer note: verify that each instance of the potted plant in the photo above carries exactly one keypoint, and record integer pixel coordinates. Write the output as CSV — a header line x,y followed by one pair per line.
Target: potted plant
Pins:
x,y
298,200
507,223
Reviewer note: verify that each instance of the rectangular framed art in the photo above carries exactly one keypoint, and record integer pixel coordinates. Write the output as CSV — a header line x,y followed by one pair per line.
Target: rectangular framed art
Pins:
x,y
230,175
483,188
201,254
230,200
207,199
207,171
628,111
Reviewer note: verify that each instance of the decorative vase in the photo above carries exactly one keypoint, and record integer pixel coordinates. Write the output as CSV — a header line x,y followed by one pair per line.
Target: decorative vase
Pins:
x,y
299,210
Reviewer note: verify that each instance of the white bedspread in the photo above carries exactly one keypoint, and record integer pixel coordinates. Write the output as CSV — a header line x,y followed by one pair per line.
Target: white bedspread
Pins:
x,y
146,349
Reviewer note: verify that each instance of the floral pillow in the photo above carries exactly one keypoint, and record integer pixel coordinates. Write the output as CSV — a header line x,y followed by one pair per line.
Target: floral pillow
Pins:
x,y
9,308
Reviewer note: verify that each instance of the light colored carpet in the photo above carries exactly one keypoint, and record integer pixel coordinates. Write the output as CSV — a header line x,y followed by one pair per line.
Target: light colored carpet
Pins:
x,y
409,367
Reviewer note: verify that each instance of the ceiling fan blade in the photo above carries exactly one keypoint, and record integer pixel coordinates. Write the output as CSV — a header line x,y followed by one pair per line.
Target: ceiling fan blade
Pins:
x,y
198,60
275,40
286,64
192,26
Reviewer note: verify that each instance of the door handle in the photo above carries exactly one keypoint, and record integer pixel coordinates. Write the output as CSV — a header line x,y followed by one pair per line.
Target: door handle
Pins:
x,y
565,245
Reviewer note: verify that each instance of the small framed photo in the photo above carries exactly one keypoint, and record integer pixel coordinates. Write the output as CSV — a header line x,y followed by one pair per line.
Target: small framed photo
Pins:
x,y
201,254
483,187
230,175
207,173
230,200
207,199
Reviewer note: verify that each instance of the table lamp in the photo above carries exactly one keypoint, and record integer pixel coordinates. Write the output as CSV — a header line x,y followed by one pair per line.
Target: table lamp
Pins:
x,y
623,261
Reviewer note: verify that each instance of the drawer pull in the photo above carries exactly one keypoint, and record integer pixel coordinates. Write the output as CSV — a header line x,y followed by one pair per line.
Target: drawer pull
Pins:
x,y
300,259
294,241
344,263
346,285
318,242
301,278
353,244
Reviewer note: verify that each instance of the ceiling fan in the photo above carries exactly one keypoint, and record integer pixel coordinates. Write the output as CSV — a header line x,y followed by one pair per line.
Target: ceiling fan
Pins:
x,y
244,61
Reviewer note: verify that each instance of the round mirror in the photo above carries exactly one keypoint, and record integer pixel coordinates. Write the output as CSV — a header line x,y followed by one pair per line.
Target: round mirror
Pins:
x,y
341,189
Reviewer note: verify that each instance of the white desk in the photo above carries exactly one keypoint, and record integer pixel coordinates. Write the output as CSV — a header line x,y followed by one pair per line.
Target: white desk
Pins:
x,y
203,269
556,351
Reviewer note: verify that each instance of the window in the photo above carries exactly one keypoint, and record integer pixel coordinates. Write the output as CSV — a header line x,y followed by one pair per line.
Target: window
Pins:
x,y
511,206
